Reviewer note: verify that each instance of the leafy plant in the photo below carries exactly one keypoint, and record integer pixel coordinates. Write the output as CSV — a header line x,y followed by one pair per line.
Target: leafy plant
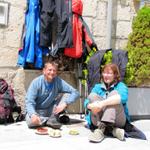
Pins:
x,y
107,58
138,47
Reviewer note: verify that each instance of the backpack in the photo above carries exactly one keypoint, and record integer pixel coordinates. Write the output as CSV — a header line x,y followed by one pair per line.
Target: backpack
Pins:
x,y
8,104
81,32
119,57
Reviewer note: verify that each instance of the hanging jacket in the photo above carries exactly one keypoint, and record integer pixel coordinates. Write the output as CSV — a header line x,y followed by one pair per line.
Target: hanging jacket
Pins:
x,y
80,31
119,57
50,10
31,52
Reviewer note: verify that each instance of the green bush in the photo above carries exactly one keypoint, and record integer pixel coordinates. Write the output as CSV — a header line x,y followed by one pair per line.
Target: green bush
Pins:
x,y
138,47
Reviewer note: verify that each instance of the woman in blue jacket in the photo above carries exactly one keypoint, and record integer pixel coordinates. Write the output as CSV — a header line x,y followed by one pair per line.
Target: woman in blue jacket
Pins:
x,y
107,105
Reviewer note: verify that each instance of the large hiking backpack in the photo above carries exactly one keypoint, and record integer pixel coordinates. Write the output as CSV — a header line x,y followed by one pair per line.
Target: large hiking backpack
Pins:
x,y
119,57
8,104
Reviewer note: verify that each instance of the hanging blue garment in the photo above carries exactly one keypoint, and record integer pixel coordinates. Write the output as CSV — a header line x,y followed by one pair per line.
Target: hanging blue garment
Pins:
x,y
31,51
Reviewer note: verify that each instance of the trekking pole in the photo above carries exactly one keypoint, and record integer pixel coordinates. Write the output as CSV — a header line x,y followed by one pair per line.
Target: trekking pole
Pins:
x,y
80,90
85,72
80,87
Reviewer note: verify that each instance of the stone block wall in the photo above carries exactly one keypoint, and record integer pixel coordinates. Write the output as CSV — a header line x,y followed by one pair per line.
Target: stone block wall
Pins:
x,y
10,35
95,15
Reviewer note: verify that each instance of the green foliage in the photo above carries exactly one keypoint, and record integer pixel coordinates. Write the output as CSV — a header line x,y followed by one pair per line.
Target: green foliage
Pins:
x,y
85,71
138,46
107,58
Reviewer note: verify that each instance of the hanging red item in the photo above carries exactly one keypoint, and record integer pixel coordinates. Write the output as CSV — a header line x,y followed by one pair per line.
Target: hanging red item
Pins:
x,y
79,31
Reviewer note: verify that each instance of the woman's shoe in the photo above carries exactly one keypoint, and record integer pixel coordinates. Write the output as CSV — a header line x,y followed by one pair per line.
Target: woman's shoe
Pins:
x,y
96,136
118,133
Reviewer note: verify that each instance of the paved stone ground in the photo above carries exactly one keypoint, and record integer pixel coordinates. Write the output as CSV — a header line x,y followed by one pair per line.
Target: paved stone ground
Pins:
x,y
17,136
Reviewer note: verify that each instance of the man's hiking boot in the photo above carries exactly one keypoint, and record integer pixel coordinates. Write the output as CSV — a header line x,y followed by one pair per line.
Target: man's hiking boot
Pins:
x,y
98,134
118,133
53,122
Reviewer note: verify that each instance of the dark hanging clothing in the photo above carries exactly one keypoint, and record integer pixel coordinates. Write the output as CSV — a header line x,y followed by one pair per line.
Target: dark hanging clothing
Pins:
x,y
63,11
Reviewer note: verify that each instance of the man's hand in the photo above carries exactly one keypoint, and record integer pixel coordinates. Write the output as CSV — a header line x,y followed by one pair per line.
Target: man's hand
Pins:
x,y
60,108
35,119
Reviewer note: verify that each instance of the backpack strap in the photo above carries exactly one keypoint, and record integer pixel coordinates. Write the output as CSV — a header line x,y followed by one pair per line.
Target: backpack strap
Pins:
x,y
3,86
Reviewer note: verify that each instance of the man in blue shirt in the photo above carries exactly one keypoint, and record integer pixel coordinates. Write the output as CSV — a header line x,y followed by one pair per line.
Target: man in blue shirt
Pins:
x,y
43,102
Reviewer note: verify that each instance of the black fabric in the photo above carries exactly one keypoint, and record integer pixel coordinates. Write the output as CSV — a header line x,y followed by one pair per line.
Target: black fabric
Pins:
x,y
47,11
64,119
133,132
53,122
50,9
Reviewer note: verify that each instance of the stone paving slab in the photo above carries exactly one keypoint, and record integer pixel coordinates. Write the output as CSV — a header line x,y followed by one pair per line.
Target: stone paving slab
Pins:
x,y
17,136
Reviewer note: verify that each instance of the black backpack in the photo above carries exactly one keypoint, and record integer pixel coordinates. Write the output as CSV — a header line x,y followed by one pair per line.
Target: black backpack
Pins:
x,y
8,105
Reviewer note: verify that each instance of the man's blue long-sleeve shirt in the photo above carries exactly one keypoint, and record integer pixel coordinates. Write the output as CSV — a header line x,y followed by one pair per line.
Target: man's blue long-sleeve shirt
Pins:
x,y
42,94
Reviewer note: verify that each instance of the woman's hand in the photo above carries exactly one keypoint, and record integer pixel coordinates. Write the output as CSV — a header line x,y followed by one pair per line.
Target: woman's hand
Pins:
x,y
95,107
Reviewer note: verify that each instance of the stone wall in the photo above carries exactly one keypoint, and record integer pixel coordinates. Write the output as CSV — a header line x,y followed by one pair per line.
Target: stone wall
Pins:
x,y
95,15
10,35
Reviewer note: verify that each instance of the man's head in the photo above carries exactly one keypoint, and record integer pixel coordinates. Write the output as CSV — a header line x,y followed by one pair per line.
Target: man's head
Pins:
x,y
50,70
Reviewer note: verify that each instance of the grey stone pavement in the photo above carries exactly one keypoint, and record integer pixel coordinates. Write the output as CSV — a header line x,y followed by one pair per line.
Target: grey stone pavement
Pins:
x,y
18,136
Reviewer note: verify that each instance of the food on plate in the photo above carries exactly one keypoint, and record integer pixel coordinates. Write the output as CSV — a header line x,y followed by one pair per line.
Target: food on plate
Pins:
x,y
73,132
41,130
55,133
